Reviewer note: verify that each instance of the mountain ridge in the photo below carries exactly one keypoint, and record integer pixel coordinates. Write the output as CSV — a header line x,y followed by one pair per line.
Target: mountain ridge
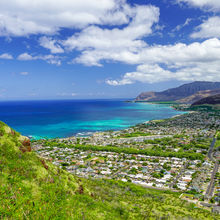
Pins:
x,y
178,93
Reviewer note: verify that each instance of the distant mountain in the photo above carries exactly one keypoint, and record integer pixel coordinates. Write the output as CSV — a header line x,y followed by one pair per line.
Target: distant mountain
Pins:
x,y
199,95
211,100
180,92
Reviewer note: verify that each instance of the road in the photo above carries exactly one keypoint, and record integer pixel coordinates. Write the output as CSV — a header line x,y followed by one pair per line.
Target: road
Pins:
x,y
210,156
211,185
120,170
159,188
179,175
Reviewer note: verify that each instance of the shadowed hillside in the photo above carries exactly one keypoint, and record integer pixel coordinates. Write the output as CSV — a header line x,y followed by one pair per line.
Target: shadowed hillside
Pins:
x,y
211,100
199,95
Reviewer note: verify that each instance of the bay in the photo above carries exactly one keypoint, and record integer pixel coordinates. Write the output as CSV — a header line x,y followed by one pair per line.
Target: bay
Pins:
x,y
64,118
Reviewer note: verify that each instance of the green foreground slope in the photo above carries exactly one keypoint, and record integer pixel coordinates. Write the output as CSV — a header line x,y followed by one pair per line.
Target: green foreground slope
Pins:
x,y
31,188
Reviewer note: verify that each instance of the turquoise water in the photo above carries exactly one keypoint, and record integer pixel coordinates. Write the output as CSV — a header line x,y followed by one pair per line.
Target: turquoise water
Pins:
x,y
40,119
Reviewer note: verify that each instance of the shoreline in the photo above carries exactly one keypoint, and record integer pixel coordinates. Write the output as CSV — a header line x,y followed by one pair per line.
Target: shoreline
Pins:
x,y
115,130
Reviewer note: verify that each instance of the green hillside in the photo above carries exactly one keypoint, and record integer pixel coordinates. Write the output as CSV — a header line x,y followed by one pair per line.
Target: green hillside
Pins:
x,y
31,188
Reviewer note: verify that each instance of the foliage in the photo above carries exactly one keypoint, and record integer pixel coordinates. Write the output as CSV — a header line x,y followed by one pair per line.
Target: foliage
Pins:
x,y
217,143
150,152
31,188
133,134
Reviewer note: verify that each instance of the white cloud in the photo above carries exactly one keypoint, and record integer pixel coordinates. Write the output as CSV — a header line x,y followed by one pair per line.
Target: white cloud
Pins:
x,y
211,5
25,56
209,28
24,73
173,55
67,94
196,61
51,44
126,44
97,44
51,59
145,73
181,54
124,81
23,17
180,26
6,56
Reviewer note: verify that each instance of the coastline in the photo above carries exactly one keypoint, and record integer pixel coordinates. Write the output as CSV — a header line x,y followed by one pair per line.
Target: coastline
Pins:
x,y
91,133
167,154
144,122
61,118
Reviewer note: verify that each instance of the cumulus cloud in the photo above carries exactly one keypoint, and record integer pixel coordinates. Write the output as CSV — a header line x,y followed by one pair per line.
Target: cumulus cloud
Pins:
x,y
113,30
94,42
209,28
21,18
51,59
118,44
6,56
211,5
25,56
180,53
145,73
196,61
51,44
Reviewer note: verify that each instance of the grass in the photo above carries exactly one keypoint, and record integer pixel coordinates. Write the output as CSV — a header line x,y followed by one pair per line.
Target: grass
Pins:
x,y
217,143
134,134
32,188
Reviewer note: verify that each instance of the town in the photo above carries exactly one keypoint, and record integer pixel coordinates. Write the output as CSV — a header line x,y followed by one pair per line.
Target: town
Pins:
x,y
179,154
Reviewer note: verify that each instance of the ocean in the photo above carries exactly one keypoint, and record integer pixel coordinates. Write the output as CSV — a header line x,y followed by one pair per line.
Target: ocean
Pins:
x,y
64,118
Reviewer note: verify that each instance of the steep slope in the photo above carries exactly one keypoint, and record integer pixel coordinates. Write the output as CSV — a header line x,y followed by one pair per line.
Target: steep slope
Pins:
x,y
180,92
32,188
199,95
211,100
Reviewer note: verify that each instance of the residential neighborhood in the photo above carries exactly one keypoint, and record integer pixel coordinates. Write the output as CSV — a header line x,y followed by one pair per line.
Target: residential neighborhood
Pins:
x,y
167,154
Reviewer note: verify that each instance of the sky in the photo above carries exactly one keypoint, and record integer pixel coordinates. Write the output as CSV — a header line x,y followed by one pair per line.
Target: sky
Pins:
x,y
103,49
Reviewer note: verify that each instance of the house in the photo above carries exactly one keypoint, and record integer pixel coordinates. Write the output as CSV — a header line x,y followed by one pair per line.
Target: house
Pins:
x,y
216,209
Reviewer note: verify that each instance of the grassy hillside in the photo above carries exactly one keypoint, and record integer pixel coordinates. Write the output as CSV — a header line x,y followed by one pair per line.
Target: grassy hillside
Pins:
x,y
31,188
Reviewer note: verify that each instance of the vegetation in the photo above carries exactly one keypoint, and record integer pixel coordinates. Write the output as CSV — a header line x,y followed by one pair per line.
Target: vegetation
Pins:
x,y
32,188
203,108
191,156
133,134
217,143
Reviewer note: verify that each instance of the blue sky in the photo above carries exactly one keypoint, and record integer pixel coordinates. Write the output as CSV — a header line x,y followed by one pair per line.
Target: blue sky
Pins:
x,y
86,49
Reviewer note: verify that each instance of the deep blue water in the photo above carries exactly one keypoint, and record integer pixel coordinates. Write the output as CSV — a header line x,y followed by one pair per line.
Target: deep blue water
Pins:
x,y
69,117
